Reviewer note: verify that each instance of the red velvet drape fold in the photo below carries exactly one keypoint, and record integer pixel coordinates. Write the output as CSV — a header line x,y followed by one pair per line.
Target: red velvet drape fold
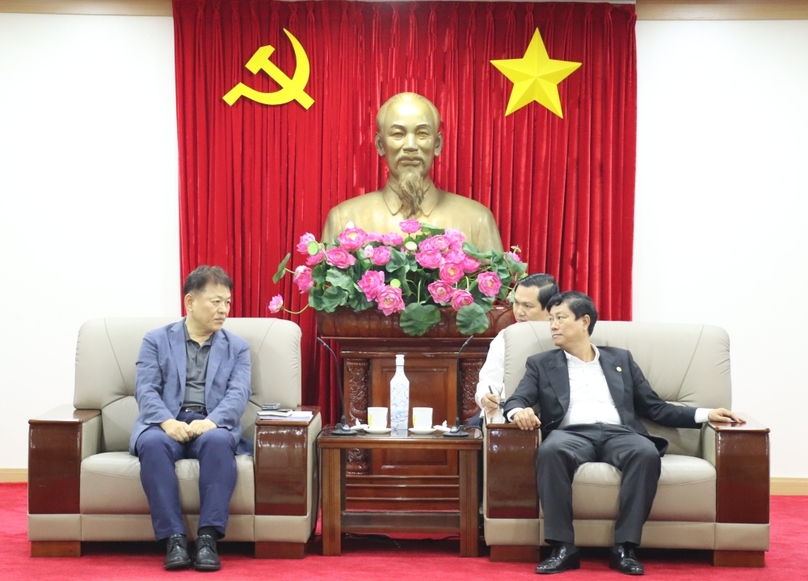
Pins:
x,y
253,177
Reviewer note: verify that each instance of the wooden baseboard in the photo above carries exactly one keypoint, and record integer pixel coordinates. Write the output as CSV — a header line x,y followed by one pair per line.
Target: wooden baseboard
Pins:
x,y
13,475
789,486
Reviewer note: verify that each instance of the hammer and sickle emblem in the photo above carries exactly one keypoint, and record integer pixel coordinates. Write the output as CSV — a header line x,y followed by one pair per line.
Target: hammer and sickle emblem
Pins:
x,y
291,89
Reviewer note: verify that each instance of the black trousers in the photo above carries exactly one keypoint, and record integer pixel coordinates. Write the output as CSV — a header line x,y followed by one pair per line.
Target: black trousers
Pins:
x,y
564,449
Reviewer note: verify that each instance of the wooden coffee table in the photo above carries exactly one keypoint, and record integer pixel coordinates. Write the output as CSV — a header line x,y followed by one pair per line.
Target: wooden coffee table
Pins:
x,y
336,519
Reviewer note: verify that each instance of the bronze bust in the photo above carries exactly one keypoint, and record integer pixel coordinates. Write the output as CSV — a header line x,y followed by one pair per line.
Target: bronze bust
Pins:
x,y
408,137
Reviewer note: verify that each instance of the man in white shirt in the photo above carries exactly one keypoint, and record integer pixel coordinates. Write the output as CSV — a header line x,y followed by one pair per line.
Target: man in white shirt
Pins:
x,y
591,400
530,297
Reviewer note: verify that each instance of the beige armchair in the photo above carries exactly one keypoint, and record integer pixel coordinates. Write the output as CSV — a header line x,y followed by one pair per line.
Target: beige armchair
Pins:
x,y
714,489
83,485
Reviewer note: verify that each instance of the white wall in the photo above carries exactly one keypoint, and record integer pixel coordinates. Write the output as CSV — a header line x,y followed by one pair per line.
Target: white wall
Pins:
x,y
721,232
89,223
88,183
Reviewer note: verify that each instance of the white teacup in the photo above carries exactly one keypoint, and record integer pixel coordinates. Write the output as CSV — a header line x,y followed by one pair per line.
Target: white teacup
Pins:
x,y
377,418
422,418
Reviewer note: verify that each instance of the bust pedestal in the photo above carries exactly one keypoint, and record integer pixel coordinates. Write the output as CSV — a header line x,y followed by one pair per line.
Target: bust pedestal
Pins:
x,y
369,342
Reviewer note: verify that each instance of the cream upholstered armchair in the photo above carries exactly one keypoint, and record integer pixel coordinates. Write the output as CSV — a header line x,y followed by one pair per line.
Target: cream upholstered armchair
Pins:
x,y
83,485
714,489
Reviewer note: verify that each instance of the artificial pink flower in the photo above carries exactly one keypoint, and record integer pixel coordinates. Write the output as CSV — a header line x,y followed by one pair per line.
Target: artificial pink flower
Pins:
x,y
276,304
368,251
393,239
302,278
315,258
438,242
381,255
339,257
429,258
455,256
451,273
352,239
461,298
373,237
410,226
371,283
514,256
488,283
441,292
303,245
470,264
456,237
390,301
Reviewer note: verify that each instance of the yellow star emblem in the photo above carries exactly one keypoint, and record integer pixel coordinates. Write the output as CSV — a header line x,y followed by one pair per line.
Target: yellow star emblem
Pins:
x,y
535,77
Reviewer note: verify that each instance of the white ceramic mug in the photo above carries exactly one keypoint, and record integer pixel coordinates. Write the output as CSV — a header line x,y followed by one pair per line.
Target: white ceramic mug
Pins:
x,y
422,418
377,418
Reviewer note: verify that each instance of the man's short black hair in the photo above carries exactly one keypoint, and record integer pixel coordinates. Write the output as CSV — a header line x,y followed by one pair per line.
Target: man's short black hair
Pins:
x,y
544,282
580,305
204,275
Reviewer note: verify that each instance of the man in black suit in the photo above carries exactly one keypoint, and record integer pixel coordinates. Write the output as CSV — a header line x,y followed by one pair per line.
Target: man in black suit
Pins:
x,y
590,401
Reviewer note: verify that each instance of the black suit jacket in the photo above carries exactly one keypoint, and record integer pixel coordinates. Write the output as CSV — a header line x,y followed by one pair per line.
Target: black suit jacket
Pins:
x,y
546,388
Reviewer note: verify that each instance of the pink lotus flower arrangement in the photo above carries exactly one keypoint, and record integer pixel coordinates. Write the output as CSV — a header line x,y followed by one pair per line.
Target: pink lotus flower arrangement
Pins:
x,y
412,275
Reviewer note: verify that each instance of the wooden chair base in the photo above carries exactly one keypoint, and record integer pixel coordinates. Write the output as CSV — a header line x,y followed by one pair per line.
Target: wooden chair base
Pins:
x,y
739,558
514,553
56,548
273,550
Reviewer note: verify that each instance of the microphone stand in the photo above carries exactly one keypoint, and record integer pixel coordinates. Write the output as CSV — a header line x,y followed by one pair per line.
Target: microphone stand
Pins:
x,y
457,431
342,428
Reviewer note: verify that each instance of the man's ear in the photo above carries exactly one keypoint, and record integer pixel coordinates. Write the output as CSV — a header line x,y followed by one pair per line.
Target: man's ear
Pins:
x,y
188,301
438,143
379,145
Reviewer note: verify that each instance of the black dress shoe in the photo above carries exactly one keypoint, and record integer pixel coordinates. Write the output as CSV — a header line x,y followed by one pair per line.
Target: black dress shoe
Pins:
x,y
177,556
622,558
560,560
207,559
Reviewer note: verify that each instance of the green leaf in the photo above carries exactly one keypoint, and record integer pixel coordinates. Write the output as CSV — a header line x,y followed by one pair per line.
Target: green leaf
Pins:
x,y
282,268
340,279
472,319
417,319
334,297
472,251
358,301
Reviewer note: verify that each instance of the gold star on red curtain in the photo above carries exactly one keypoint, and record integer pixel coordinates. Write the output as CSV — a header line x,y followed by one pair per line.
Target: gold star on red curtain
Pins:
x,y
535,77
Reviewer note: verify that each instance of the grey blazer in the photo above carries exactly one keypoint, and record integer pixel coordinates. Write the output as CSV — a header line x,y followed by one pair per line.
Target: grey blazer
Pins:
x,y
160,379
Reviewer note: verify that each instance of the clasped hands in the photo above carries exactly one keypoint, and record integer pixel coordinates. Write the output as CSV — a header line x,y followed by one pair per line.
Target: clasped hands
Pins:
x,y
183,432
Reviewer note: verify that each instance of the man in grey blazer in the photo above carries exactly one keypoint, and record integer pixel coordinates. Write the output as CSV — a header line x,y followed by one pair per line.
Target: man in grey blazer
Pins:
x,y
590,400
192,385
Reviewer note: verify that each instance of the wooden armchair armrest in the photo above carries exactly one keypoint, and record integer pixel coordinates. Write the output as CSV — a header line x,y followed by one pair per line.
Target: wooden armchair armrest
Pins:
x,y
56,448
510,465
742,470
283,450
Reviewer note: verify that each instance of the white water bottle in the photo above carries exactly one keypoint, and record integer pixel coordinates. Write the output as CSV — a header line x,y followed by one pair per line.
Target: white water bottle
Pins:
x,y
399,397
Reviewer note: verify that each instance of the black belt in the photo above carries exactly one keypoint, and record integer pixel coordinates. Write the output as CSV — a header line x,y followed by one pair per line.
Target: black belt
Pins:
x,y
200,409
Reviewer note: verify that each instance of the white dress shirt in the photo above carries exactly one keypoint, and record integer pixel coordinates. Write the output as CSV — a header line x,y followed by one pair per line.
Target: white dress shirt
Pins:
x,y
492,375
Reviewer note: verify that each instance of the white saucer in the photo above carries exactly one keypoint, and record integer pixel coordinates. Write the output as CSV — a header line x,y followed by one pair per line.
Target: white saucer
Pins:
x,y
422,431
370,430
359,427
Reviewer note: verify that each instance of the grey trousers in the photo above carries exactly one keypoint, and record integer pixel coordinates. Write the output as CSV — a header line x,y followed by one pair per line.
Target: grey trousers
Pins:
x,y
564,449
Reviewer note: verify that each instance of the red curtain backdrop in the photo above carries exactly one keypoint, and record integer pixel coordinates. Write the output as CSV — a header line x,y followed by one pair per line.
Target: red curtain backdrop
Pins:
x,y
254,178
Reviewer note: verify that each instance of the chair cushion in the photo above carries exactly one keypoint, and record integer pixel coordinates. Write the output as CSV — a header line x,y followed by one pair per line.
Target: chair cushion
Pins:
x,y
686,491
110,484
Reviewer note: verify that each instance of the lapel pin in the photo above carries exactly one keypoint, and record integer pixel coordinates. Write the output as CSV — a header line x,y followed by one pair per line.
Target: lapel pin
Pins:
x,y
619,369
